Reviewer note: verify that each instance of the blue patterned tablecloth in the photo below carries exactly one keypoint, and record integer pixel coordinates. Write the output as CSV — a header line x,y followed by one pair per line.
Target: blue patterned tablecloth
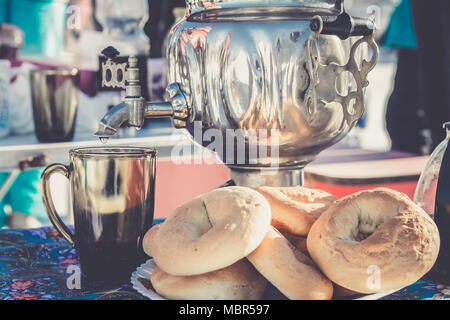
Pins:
x,y
34,264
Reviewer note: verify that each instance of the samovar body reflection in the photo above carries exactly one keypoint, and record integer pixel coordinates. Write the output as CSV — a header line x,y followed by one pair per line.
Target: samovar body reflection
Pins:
x,y
267,85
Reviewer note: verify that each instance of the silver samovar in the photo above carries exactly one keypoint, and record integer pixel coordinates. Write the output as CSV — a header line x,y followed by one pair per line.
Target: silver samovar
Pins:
x,y
270,83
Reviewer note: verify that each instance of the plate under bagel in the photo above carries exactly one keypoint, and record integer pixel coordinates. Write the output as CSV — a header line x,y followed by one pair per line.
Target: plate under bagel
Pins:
x,y
140,279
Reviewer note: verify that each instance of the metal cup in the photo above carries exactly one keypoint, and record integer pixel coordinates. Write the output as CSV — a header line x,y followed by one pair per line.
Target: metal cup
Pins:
x,y
54,93
113,191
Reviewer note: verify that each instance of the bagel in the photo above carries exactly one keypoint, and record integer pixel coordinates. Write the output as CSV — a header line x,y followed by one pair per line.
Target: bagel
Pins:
x,y
343,293
295,209
289,270
210,232
149,238
240,281
299,242
374,241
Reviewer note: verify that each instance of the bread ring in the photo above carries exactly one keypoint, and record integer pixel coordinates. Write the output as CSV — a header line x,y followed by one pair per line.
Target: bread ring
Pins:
x,y
240,281
149,238
341,292
374,241
290,271
210,232
299,242
295,209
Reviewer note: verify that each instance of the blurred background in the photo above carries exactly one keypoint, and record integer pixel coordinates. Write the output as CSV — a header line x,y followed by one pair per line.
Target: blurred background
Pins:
x,y
406,102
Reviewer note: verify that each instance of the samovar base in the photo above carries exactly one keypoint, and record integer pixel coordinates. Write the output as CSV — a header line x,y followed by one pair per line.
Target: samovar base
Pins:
x,y
252,178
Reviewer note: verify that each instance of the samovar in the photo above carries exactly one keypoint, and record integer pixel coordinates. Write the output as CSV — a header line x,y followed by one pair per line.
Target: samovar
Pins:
x,y
267,85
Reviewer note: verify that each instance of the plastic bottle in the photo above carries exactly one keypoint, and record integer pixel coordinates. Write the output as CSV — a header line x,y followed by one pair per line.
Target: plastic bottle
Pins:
x,y
123,28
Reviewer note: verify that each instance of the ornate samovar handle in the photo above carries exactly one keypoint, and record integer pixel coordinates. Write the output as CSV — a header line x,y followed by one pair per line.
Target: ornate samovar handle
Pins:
x,y
326,74
113,74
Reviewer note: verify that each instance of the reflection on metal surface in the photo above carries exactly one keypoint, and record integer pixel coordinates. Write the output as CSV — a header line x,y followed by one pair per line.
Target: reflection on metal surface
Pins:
x,y
271,75
274,8
272,178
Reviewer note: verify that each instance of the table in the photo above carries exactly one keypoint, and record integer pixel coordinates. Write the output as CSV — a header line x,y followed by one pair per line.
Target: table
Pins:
x,y
159,134
34,265
342,171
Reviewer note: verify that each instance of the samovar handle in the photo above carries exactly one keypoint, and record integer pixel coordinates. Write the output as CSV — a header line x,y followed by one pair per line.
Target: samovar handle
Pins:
x,y
344,26
113,74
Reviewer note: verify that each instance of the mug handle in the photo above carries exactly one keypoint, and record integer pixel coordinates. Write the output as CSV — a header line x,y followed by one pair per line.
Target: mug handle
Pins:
x,y
47,197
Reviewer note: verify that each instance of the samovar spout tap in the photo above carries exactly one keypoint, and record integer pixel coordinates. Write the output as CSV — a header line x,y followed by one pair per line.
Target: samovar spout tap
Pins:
x,y
133,110
113,120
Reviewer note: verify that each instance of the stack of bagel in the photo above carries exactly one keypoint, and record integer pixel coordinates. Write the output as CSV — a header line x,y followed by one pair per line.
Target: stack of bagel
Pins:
x,y
230,243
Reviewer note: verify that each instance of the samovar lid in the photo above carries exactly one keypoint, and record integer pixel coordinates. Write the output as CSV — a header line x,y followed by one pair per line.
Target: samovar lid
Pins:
x,y
275,7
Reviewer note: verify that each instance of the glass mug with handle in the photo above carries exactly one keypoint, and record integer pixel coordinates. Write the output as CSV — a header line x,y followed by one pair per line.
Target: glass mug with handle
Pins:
x,y
113,191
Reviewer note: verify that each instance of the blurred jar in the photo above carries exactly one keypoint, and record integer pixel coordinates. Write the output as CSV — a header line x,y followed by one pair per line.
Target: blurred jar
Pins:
x,y
42,21
425,194
433,195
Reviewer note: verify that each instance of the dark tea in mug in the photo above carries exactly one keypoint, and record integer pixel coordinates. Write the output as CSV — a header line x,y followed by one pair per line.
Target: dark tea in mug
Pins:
x,y
113,202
